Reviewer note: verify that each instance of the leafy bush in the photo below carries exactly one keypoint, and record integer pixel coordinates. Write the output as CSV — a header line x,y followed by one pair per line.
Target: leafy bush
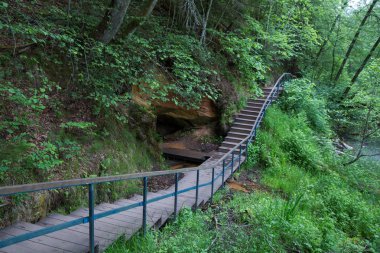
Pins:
x,y
299,96
189,233
68,149
183,55
288,139
46,157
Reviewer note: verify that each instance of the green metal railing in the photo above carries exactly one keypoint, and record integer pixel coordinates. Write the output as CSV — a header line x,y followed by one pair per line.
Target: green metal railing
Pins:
x,y
227,161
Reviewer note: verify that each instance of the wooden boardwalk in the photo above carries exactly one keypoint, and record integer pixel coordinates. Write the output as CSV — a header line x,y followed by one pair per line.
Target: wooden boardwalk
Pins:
x,y
108,229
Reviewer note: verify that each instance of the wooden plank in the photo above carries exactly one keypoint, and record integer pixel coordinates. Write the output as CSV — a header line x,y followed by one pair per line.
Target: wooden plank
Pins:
x,y
117,223
102,237
64,235
26,246
151,218
47,241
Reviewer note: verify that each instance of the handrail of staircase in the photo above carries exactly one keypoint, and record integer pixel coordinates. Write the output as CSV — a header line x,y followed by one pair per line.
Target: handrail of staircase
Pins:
x,y
91,182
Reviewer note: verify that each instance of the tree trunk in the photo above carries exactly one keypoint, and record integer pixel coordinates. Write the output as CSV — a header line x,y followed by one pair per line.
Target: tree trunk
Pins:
x,y
353,42
204,23
333,54
362,66
136,22
330,32
112,21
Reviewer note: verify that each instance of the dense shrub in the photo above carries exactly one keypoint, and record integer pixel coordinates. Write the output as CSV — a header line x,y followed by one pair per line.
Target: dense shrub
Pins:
x,y
300,97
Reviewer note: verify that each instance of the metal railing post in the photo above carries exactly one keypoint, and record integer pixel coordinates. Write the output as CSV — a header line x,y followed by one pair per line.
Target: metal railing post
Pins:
x,y
145,197
212,184
239,157
197,190
246,149
232,163
91,219
224,165
176,196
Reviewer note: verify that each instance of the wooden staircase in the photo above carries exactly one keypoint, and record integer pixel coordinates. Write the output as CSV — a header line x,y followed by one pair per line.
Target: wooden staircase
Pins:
x,y
244,121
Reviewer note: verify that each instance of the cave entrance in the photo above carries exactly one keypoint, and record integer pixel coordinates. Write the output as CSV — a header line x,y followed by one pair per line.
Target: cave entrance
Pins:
x,y
177,146
167,125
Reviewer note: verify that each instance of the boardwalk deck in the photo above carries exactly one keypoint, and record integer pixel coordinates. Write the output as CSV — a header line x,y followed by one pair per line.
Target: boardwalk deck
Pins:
x,y
108,229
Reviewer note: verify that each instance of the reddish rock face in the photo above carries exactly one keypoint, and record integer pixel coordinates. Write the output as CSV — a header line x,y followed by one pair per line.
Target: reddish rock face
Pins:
x,y
206,113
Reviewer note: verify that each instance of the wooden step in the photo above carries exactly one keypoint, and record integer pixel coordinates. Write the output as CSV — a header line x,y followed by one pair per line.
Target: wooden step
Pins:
x,y
251,110
234,139
245,121
255,104
237,134
260,100
230,144
243,125
245,116
240,130
226,150
256,108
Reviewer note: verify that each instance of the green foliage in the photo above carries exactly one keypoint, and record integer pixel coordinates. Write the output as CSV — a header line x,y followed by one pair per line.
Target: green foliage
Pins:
x,y
183,56
337,200
300,96
188,234
251,160
360,112
45,157
79,125
244,52
68,149
79,128
291,139
26,103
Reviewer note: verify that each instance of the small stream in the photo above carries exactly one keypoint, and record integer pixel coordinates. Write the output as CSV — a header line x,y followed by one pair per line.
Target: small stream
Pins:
x,y
370,147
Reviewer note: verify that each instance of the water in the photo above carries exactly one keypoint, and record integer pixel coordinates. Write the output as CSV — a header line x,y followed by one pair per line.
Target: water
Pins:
x,y
370,147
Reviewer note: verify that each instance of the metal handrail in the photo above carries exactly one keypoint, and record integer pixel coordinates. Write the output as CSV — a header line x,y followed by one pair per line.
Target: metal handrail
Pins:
x,y
90,182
